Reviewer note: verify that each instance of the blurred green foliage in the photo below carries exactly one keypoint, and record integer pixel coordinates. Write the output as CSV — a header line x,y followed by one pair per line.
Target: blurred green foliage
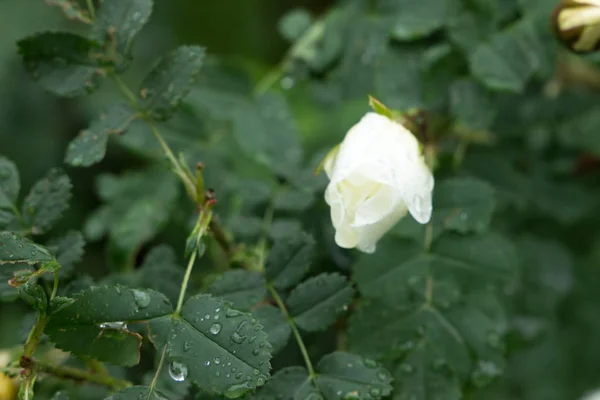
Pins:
x,y
495,299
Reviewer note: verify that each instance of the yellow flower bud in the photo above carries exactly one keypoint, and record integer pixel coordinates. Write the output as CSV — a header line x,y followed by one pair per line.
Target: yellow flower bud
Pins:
x,y
577,24
8,391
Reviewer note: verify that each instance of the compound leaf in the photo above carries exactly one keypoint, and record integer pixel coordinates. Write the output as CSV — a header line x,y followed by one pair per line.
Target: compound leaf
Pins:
x,y
63,63
170,81
242,289
47,200
223,350
121,21
95,324
10,184
289,259
89,147
316,303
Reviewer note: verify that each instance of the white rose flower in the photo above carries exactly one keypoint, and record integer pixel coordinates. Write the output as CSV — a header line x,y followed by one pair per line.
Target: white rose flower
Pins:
x,y
595,395
377,175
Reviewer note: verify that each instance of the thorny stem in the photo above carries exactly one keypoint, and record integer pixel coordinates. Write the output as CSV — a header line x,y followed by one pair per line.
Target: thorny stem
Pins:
x,y
292,324
76,374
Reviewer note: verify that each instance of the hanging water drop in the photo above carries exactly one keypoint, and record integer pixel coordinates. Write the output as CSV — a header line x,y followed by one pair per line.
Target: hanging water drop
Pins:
x,y
178,371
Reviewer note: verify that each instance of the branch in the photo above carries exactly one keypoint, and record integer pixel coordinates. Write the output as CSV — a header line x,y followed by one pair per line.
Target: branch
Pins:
x,y
75,374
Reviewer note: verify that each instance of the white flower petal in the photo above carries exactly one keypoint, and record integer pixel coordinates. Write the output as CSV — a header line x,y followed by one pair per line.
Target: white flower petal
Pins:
x,y
377,175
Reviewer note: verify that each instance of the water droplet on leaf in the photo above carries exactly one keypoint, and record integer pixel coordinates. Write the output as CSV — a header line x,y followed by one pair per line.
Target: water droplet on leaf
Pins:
x,y
215,328
178,371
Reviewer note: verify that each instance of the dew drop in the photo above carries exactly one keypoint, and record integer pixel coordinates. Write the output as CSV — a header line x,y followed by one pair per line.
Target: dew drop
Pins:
x,y
255,352
238,375
370,363
375,392
217,360
231,313
187,345
142,299
237,338
252,339
178,371
215,328
118,325
260,381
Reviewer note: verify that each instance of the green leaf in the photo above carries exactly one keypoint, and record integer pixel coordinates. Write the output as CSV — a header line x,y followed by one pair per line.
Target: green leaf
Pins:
x,y
10,184
579,131
291,199
58,303
47,200
289,260
243,289
415,19
429,315
94,325
224,350
470,23
463,205
34,295
435,350
365,45
161,272
138,393
400,91
63,63
323,45
138,205
15,249
89,147
68,250
471,104
509,60
275,326
340,375
170,80
283,228
265,130
294,24
60,396
316,303
121,21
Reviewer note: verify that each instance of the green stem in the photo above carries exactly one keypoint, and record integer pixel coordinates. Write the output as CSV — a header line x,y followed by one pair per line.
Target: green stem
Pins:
x,y
459,153
292,324
188,182
64,372
125,90
55,287
91,8
263,241
186,279
35,336
160,367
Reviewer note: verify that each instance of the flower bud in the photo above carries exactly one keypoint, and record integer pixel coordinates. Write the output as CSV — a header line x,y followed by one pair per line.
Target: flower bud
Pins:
x,y
377,176
577,24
